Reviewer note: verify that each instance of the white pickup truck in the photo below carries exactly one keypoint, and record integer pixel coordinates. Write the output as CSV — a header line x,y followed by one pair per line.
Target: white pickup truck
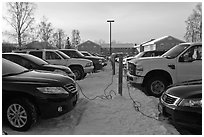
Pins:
x,y
181,63
80,67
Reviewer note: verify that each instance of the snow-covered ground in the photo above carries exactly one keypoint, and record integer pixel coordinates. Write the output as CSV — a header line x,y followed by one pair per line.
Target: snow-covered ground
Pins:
x,y
105,116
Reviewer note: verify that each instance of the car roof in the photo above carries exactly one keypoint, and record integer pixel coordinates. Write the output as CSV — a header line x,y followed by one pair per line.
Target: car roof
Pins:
x,y
36,50
191,44
18,54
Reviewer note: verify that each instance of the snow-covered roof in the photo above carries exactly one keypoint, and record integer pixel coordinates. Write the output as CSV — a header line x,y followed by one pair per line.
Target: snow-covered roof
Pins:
x,y
156,40
159,39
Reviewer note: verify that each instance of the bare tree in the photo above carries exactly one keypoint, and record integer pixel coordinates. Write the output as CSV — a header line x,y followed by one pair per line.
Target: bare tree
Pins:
x,y
194,25
59,38
75,37
21,17
45,30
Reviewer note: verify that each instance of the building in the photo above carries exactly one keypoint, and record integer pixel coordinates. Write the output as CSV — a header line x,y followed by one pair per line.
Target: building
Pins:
x,y
125,48
90,47
161,44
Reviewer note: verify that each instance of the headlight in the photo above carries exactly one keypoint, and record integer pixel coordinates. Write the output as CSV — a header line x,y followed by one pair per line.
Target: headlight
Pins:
x,y
53,90
191,102
139,69
89,64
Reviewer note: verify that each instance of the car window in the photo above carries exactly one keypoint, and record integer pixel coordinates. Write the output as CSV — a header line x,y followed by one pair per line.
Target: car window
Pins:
x,y
69,53
74,54
193,53
85,54
36,53
175,51
37,60
63,55
50,55
9,67
20,60
147,54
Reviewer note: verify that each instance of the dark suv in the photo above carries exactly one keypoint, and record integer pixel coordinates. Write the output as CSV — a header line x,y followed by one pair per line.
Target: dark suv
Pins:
x,y
98,62
26,95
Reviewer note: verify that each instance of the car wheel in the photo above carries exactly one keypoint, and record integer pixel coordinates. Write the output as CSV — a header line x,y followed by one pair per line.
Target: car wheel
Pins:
x,y
156,86
78,72
20,114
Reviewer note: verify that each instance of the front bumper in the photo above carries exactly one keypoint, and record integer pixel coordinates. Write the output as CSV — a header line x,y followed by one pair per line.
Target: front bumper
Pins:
x,y
135,79
53,107
183,116
88,69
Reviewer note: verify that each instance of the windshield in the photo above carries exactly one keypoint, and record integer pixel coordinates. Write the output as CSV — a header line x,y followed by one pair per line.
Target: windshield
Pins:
x,y
10,68
37,60
63,55
139,55
175,51
86,54
80,54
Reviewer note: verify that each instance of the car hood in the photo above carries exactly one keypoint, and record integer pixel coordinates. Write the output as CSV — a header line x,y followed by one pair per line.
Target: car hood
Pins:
x,y
56,66
34,77
158,58
186,91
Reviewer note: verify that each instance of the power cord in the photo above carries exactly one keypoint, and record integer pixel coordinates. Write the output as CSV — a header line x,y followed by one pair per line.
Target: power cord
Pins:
x,y
105,96
137,105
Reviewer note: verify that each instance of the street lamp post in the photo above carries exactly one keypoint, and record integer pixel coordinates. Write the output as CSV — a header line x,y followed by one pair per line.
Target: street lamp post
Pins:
x,y
110,21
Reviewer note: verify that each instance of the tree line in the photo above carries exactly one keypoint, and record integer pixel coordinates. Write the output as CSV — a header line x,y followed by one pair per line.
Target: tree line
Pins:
x,y
21,19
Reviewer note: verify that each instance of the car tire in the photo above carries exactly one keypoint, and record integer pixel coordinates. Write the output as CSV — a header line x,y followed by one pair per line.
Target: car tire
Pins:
x,y
21,114
156,86
78,72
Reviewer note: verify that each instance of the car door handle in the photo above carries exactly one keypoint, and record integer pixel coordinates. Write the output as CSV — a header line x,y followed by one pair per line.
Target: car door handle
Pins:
x,y
172,66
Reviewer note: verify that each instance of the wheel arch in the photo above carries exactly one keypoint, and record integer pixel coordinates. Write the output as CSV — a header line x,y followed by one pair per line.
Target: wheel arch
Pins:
x,y
27,96
157,72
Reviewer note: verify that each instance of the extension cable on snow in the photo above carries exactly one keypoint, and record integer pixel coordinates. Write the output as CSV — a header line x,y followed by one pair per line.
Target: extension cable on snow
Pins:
x,y
105,96
137,105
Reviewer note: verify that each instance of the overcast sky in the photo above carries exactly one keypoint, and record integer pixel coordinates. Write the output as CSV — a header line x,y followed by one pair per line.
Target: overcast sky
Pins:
x,y
135,22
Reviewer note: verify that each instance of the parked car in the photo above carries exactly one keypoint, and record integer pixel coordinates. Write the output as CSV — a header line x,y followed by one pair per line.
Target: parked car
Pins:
x,y
182,104
98,55
98,62
28,95
80,67
183,62
153,53
31,62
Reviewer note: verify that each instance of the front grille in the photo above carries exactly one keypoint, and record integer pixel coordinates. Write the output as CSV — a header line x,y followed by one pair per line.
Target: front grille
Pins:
x,y
71,88
131,68
168,99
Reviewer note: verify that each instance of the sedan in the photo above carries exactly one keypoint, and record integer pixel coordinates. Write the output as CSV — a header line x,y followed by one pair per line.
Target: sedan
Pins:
x,y
182,104
28,95
31,62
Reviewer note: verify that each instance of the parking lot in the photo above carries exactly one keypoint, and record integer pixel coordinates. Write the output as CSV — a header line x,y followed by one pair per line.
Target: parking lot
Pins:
x,y
104,111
